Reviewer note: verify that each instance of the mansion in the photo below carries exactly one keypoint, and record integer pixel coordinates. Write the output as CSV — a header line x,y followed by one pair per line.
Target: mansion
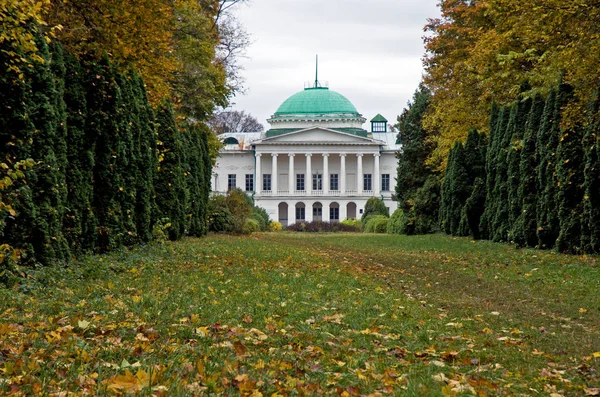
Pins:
x,y
315,163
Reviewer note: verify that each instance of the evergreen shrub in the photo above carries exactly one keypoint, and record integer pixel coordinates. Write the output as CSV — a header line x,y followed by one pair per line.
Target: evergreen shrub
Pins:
x,y
374,206
397,223
251,225
377,224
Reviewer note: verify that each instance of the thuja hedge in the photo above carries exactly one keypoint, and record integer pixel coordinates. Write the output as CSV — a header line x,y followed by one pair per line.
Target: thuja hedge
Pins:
x,y
540,183
107,166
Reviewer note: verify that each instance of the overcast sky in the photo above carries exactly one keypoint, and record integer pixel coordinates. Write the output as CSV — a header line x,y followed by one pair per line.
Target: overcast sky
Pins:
x,y
369,51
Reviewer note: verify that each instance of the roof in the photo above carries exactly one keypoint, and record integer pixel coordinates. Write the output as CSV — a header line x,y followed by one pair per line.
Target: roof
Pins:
x,y
281,131
316,100
379,117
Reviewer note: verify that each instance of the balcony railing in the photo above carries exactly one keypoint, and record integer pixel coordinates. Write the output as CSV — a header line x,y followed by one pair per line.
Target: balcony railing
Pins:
x,y
315,193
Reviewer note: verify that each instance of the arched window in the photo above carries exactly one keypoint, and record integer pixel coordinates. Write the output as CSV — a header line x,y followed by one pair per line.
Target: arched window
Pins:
x,y
230,141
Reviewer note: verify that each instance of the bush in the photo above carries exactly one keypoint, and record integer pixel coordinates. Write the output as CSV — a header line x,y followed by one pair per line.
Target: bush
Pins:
x,y
397,223
377,224
374,206
319,226
261,215
240,205
251,225
355,223
275,226
220,219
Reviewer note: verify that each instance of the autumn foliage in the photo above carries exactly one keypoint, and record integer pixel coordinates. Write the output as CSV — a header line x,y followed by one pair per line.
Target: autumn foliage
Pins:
x,y
84,153
542,177
483,51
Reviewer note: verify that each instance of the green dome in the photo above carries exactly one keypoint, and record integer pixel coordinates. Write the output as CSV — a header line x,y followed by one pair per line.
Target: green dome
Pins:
x,y
316,100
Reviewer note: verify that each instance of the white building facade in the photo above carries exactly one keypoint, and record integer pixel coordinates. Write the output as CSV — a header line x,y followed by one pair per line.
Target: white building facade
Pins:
x,y
316,163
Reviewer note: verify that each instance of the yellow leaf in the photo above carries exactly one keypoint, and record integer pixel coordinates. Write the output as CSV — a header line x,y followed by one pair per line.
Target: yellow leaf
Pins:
x,y
83,324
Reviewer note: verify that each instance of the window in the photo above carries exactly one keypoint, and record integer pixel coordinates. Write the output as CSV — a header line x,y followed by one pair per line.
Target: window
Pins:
x,y
249,182
385,182
367,182
299,181
300,212
231,181
317,182
334,214
267,182
333,182
317,211
379,126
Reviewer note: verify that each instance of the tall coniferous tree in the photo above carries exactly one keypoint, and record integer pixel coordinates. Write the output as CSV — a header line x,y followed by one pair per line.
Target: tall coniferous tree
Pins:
x,y
524,231
547,220
446,200
169,181
46,177
497,126
499,218
570,176
147,162
412,170
79,221
103,102
590,237
515,148
475,149
127,157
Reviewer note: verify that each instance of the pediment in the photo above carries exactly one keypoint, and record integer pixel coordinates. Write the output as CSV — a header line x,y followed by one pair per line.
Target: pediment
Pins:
x,y
317,135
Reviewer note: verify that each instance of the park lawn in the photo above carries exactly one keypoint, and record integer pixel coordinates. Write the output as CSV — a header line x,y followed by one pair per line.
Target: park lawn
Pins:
x,y
307,314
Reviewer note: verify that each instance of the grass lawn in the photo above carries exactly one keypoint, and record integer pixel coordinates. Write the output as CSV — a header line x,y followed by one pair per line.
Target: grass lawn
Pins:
x,y
307,314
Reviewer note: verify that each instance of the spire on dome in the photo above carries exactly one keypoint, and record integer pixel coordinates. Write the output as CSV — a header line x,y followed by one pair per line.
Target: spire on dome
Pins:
x,y
317,84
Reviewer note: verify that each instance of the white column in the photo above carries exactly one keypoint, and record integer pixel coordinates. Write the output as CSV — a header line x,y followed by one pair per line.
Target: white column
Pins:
x,y
308,212
292,176
359,173
291,213
376,177
308,177
343,212
342,177
274,173
325,174
258,177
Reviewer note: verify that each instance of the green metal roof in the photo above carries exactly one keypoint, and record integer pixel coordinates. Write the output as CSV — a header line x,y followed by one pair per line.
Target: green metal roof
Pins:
x,y
316,100
379,117
280,131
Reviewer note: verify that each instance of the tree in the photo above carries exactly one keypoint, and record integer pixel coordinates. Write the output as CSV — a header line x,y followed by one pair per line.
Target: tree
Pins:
x,y
482,51
524,231
570,177
169,182
412,170
547,220
234,121
79,221
590,236
104,102
374,206
513,159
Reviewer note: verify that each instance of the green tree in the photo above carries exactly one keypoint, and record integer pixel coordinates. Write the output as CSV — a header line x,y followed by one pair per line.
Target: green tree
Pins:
x,y
486,226
412,170
146,163
79,222
374,206
547,220
524,231
169,181
513,158
590,238
46,179
103,125
570,177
